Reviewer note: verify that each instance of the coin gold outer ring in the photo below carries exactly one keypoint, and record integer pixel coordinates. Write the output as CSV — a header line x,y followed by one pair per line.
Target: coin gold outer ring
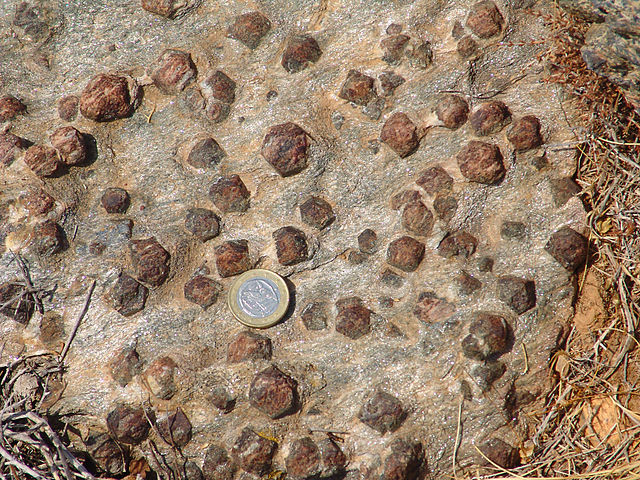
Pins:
x,y
248,320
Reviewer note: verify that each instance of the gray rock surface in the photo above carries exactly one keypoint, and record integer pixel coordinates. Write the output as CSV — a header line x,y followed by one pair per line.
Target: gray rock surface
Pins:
x,y
612,44
414,354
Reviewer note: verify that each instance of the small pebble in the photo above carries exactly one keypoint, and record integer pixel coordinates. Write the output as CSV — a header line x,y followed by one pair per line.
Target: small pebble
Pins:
x,y
485,20
249,28
458,243
467,48
524,134
70,144
563,189
175,428
394,29
202,291
452,111
513,230
432,309
274,393
316,212
405,253
417,219
125,365
400,134
173,71
128,296
486,374
202,223
129,424
68,108
405,462
393,48
481,162
420,54
489,118
229,194
10,107
106,453
358,88
382,412
37,202
353,319
467,284
232,257
248,345
218,465
400,199
115,200
434,180
43,161
568,247
285,148
389,81
499,452
291,245
488,337
159,377
445,207
299,52
205,153
303,460
314,316
518,293
150,261
253,453
109,97
48,238
368,241
10,147
16,302
166,8
485,264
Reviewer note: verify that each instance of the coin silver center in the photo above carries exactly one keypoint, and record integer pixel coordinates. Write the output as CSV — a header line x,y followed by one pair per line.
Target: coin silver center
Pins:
x,y
258,297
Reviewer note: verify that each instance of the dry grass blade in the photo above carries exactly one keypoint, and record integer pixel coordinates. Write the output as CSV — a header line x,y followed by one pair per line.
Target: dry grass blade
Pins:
x,y
29,446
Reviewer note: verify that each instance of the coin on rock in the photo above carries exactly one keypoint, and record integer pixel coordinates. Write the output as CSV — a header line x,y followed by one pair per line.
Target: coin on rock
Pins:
x,y
259,298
